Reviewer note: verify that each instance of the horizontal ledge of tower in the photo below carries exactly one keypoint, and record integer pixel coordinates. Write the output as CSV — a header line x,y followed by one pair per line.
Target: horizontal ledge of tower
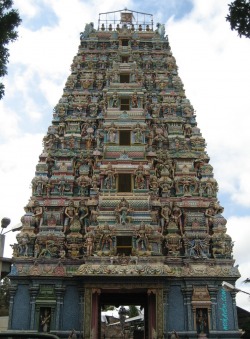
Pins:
x,y
122,115
122,33
117,165
116,86
124,124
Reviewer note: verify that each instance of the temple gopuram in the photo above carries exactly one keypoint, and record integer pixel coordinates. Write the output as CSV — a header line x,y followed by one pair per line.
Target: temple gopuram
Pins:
x,y
124,207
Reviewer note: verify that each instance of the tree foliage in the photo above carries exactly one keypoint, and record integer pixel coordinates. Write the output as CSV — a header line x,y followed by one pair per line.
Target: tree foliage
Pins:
x,y
133,311
239,17
9,21
4,296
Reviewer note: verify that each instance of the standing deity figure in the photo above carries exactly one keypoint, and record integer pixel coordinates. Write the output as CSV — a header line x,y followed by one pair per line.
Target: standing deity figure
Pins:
x,y
94,213
95,182
115,100
154,184
84,183
89,238
38,184
138,133
109,181
83,213
23,242
112,133
210,187
165,183
50,161
38,215
165,216
77,163
122,212
209,215
107,237
140,180
62,183
70,212
45,321
187,129
142,243
134,100
99,139
176,215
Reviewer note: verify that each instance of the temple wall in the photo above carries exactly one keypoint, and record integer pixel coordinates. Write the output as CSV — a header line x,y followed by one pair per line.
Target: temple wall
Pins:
x,y
21,307
176,312
71,316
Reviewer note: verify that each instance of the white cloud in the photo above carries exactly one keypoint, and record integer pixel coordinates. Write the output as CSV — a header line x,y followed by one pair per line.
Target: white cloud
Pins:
x,y
213,64
9,122
27,8
238,229
19,157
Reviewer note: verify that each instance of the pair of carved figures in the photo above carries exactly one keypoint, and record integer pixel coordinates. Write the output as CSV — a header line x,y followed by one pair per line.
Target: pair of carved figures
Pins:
x,y
171,215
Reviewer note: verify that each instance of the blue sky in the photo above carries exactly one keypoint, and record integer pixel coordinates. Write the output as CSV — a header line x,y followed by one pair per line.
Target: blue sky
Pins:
x,y
214,67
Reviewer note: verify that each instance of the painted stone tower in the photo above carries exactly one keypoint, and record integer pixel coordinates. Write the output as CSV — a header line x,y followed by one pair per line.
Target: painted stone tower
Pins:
x,y
124,207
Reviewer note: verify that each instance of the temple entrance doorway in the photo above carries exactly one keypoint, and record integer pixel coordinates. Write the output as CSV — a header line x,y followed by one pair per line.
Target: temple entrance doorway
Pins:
x,y
124,313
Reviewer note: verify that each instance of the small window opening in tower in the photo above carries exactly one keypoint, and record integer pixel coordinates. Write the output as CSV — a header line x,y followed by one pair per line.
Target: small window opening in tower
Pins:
x,y
124,245
125,104
124,182
124,42
124,139
124,59
124,78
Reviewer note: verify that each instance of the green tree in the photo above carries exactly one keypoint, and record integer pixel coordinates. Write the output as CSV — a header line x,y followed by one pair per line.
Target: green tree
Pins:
x,y
133,311
4,296
9,21
239,17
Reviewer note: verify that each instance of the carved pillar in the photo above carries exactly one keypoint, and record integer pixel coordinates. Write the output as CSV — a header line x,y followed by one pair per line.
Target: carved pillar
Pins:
x,y
33,294
151,313
165,311
12,291
187,293
236,326
82,315
213,291
87,313
95,313
159,312
59,291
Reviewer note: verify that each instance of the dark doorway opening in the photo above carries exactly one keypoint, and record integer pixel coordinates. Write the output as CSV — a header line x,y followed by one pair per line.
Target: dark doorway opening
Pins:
x,y
113,326
125,104
124,78
124,139
124,42
124,245
124,59
124,182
